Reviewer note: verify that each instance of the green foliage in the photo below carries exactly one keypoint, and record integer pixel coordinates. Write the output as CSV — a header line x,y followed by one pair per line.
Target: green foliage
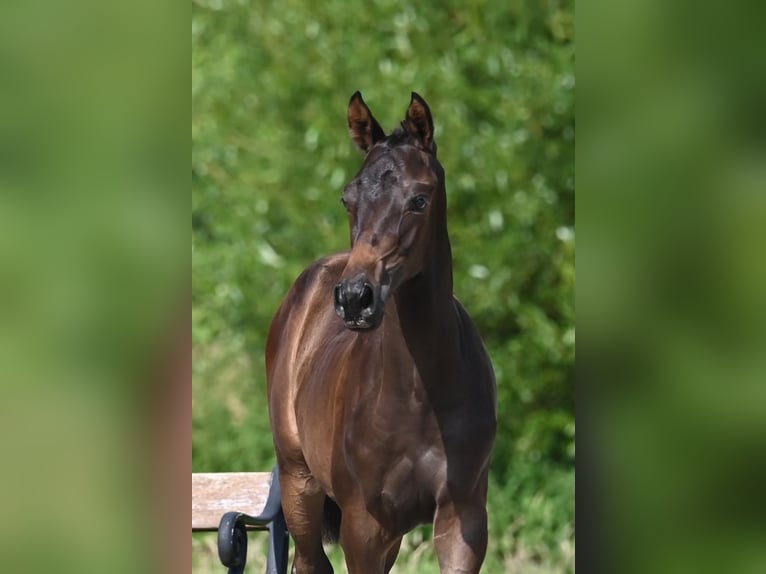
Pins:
x,y
270,157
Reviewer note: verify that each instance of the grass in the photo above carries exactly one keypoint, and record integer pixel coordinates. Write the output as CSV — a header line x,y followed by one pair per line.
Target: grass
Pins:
x,y
416,557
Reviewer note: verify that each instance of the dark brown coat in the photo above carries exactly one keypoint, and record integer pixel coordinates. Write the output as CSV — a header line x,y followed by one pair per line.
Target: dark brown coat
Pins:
x,y
381,394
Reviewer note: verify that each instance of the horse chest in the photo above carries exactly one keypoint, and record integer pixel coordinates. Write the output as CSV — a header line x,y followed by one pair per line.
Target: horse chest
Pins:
x,y
397,463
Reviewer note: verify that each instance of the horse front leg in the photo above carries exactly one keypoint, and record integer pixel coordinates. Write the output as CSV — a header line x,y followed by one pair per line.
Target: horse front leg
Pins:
x,y
303,505
367,546
460,536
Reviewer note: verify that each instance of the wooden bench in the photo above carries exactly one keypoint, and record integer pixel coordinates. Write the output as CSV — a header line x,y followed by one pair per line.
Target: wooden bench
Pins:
x,y
233,503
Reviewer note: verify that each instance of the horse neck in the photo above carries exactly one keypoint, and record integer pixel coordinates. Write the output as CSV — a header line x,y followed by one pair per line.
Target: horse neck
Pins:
x,y
425,304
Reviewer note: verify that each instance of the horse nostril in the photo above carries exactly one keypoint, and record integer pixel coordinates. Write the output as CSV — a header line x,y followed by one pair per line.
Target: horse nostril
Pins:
x,y
338,295
367,297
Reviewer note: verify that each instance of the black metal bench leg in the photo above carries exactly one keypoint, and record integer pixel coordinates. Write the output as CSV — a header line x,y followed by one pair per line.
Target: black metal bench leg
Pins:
x,y
279,542
232,534
232,542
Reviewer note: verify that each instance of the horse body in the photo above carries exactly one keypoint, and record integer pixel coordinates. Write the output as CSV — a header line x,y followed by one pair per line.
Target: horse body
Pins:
x,y
390,411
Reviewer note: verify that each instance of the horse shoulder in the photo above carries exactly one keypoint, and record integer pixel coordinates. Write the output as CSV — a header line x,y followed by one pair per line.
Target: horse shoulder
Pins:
x,y
287,352
301,302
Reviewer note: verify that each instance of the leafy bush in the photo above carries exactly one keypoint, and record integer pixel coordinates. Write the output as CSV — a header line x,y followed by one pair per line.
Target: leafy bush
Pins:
x,y
270,156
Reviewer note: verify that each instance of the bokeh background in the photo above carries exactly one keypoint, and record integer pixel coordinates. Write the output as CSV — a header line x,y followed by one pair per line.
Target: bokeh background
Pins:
x,y
671,157
671,403
270,157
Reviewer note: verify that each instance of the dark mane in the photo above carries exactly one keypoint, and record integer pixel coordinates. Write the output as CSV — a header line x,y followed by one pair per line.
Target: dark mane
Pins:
x,y
400,137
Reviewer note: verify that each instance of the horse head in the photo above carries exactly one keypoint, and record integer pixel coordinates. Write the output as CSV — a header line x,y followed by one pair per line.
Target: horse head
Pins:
x,y
396,205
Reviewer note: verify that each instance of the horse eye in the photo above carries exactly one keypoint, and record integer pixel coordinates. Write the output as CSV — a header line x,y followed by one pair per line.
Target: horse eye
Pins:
x,y
419,203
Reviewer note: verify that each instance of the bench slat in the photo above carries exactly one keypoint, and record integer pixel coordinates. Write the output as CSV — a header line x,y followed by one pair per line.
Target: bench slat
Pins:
x,y
214,494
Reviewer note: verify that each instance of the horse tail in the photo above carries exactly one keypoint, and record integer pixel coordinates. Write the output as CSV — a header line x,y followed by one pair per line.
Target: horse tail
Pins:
x,y
331,522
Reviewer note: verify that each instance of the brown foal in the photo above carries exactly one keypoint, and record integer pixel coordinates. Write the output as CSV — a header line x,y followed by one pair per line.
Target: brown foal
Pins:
x,y
381,393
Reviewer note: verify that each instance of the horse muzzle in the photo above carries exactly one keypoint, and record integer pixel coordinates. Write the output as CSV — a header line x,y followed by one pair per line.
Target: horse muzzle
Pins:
x,y
358,303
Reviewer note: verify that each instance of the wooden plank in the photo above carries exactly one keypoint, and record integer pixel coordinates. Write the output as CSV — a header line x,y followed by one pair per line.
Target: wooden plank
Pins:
x,y
214,494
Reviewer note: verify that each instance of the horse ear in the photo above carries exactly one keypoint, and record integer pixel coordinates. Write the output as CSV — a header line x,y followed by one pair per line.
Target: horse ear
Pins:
x,y
419,124
363,127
